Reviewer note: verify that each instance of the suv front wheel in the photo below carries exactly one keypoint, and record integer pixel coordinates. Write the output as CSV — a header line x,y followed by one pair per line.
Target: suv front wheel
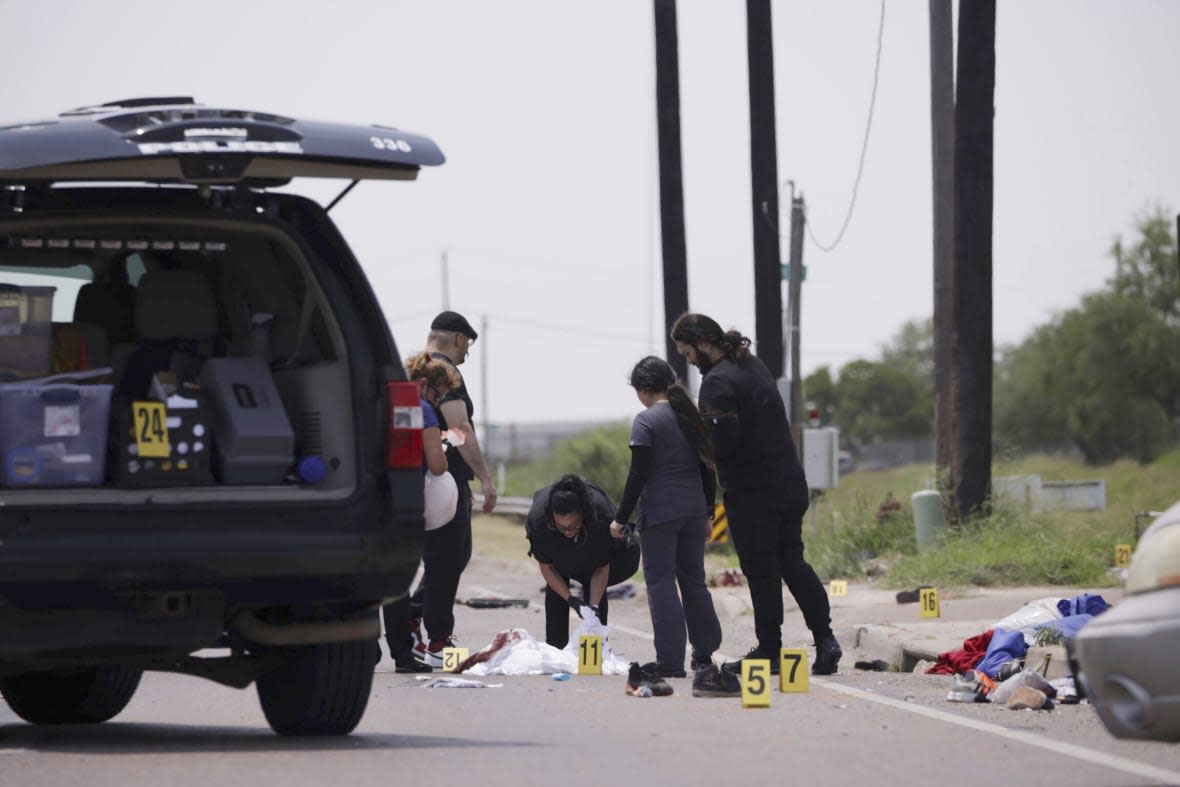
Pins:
x,y
82,696
317,689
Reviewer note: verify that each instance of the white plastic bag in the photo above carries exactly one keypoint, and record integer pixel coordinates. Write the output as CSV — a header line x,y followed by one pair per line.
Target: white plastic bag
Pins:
x,y
441,498
1031,615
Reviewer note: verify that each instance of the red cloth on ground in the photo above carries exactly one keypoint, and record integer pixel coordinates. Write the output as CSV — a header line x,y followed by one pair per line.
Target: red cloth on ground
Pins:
x,y
955,662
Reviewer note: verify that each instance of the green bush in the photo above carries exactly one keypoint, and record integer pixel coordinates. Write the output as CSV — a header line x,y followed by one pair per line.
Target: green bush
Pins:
x,y
601,455
850,533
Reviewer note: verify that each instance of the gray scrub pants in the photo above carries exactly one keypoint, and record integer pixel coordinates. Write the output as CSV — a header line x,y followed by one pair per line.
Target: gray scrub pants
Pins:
x,y
674,555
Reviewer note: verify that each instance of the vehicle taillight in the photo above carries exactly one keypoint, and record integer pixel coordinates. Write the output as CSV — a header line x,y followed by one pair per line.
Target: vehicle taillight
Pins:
x,y
403,445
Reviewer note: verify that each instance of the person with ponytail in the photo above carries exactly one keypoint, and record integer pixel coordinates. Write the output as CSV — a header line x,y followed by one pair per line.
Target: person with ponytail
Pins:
x,y
672,468
766,491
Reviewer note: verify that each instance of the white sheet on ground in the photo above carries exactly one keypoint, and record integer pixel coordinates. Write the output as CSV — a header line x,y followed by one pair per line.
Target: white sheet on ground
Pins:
x,y
516,652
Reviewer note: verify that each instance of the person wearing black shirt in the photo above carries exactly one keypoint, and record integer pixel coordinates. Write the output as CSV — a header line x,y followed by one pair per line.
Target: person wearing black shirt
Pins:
x,y
448,549
766,492
568,529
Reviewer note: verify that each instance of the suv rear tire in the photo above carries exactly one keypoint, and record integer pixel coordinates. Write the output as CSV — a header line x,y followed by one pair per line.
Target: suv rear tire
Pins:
x,y
317,689
83,696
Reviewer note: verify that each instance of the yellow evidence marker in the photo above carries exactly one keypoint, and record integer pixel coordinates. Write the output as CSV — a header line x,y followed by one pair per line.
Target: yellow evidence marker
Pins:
x,y
755,683
1122,555
928,603
838,587
793,671
589,654
452,658
150,427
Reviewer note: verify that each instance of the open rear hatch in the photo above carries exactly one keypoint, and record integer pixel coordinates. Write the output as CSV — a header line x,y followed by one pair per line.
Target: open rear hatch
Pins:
x,y
174,140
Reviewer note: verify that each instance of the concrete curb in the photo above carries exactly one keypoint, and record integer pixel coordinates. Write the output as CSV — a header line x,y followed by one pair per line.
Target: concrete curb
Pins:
x,y
904,646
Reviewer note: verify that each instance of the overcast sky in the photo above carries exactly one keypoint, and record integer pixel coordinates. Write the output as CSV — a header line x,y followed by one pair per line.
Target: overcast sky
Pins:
x,y
547,207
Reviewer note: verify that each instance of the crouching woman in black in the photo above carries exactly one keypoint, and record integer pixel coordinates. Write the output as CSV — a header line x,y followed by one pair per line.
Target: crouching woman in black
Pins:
x,y
568,529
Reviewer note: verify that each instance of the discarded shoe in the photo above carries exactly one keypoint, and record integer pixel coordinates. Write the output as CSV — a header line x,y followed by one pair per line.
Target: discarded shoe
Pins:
x,y
967,688
911,596
641,683
876,665
714,682
1028,698
664,670
827,657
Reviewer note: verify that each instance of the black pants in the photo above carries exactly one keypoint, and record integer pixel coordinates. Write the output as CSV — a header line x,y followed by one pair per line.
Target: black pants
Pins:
x,y
623,565
446,553
767,530
397,626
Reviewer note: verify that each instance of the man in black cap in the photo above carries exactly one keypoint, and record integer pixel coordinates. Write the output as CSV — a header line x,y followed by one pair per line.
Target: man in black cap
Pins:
x,y
449,546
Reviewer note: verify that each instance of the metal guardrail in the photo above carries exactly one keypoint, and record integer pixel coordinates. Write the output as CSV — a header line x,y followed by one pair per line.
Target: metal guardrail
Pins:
x,y
518,506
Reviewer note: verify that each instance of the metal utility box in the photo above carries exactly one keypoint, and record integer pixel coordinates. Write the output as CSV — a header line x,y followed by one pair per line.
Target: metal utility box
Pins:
x,y
253,442
821,457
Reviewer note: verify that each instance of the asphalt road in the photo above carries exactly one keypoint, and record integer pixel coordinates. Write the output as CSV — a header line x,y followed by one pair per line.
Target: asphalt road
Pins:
x,y
862,728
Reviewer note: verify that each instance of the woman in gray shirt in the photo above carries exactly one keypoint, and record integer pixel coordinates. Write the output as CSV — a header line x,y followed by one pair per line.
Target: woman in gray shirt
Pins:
x,y
672,467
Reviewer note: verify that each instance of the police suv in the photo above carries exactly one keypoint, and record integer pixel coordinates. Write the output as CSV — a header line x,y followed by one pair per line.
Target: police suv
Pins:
x,y
210,456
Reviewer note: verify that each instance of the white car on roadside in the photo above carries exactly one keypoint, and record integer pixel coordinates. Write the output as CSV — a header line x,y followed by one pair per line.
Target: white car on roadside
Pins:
x,y
1127,656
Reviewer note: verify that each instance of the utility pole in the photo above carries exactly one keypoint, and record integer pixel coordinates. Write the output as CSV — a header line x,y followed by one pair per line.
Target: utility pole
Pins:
x,y
942,136
971,287
446,282
768,300
671,178
794,293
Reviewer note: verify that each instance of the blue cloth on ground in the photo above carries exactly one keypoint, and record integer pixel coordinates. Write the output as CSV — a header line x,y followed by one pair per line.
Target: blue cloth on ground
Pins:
x,y
1085,604
1067,627
1005,646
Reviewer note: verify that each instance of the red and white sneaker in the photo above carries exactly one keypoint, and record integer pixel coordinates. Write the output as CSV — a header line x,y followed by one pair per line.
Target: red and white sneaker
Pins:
x,y
434,651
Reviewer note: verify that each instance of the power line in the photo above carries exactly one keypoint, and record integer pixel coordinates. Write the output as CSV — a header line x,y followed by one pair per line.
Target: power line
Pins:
x,y
863,148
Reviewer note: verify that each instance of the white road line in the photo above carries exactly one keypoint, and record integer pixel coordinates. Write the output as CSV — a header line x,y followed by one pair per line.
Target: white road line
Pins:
x,y
1021,736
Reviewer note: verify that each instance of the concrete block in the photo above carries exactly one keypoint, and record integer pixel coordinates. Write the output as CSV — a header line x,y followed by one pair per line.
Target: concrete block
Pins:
x,y
1057,667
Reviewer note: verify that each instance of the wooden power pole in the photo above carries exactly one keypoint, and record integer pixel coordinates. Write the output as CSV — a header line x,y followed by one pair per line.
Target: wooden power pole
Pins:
x,y
972,278
671,177
942,136
768,298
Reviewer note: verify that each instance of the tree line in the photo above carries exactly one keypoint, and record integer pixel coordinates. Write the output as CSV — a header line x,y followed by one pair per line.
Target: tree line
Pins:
x,y
1102,377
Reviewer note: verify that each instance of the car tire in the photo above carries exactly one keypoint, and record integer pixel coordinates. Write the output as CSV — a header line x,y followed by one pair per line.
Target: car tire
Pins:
x,y
84,696
317,689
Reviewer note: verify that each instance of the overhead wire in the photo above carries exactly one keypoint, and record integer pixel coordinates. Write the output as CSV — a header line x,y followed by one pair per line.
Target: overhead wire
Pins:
x,y
863,148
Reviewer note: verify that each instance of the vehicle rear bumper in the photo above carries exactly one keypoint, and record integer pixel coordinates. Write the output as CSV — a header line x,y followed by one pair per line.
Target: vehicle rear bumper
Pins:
x,y
1127,658
178,591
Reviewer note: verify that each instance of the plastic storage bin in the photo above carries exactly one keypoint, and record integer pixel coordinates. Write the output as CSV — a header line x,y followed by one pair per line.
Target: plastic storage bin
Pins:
x,y
53,435
253,442
26,320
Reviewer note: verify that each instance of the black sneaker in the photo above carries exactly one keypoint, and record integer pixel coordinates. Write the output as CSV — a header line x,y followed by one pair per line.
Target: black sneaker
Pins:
x,y
713,682
827,657
735,667
663,670
641,683
405,663
637,682
659,686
